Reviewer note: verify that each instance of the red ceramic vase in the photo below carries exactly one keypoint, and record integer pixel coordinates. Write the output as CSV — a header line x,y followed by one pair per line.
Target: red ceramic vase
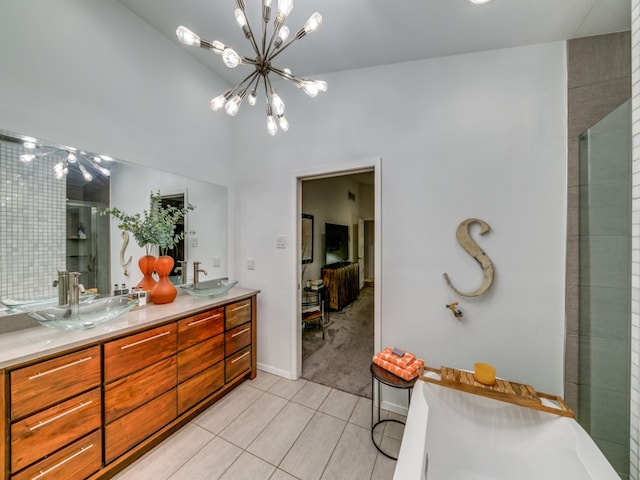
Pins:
x,y
164,291
146,264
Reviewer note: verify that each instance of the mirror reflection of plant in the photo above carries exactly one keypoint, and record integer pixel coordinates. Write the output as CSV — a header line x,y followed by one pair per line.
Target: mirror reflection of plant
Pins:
x,y
153,227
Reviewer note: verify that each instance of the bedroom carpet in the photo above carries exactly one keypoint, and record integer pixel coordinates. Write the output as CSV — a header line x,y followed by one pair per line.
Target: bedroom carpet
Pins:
x,y
342,360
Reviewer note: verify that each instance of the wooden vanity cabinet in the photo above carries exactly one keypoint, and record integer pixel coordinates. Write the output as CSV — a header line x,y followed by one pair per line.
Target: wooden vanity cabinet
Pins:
x,y
88,413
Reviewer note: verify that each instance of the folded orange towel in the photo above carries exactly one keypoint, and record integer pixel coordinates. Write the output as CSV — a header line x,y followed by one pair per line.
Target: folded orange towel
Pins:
x,y
401,362
410,372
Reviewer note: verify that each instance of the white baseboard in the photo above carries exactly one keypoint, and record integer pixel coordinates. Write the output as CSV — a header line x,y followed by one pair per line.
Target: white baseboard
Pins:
x,y
275,371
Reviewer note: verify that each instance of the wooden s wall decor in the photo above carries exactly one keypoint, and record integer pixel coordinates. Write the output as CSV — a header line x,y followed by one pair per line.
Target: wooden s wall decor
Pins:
x,y
473,249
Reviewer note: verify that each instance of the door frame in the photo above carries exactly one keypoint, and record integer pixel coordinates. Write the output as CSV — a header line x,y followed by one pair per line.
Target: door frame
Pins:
x,y
374,164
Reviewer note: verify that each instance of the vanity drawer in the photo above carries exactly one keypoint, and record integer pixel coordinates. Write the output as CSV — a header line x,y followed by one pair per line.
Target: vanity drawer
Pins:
x,y
128,393
195,329
237,313
237,363
200,356
135,352
237,338
38,386
78,460
200,386
131,429
38,435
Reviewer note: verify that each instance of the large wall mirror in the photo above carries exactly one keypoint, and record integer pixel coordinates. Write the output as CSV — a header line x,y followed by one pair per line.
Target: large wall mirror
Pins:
x,y
51,221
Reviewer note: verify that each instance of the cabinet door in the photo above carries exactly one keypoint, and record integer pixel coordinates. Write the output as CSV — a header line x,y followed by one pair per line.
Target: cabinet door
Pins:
x,y
237,364
128,354
38,386
78,460
134,427
128,393
237,313
200,327
237,338
200,386
42,433
199,357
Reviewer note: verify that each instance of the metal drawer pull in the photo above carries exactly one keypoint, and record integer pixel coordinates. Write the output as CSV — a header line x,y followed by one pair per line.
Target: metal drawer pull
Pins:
x,y
196,322
42,374
124,347
241,332
240,357
60,415
59,464
240,307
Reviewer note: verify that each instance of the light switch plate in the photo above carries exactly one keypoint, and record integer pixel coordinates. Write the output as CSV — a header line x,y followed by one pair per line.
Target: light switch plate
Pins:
x,y
281,241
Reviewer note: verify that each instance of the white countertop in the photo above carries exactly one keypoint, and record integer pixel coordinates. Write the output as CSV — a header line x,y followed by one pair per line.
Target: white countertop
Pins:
x,y
33,343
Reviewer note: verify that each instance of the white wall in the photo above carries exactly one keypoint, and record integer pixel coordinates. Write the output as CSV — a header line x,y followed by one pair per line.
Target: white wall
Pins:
x,y
91,74
478,135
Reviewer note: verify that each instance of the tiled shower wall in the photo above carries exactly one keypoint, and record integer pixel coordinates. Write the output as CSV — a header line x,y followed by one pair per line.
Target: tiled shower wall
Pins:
x,y
32,225
634,470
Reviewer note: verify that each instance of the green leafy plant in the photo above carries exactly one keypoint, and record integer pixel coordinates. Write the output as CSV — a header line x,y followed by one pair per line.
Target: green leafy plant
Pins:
x,y
155,226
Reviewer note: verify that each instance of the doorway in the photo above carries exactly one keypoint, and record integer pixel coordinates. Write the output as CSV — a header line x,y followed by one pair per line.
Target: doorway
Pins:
x,y
336,202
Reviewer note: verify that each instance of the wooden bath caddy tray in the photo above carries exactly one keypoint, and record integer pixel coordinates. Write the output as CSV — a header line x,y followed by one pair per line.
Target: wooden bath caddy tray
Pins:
x,y
503,390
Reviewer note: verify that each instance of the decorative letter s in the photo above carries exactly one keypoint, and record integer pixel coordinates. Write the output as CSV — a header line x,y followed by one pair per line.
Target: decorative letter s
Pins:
x,y
473,249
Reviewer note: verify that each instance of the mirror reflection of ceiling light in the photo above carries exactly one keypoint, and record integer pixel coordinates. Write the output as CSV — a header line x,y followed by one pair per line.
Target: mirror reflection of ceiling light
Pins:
x,y
66,156
479,2
265,53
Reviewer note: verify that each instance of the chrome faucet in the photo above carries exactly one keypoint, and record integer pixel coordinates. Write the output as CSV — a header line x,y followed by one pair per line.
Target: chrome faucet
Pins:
x,y
196,271
63,287
182,270
75,289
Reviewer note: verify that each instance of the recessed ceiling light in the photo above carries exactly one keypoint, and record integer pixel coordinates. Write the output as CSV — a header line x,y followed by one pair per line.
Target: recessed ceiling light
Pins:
x,y
479,2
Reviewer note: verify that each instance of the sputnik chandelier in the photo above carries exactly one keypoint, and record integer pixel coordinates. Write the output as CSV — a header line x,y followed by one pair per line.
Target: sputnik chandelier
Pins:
x,y
67,156
265,53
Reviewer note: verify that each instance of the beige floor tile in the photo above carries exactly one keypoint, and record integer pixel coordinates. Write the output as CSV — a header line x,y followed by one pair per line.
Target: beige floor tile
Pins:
x,y
282,475
225,411
248,425
167,457
311,395
248,467
339,404
390,445
311,452
264,381
361,415
287,388
354,456
275,441
384,468
210,462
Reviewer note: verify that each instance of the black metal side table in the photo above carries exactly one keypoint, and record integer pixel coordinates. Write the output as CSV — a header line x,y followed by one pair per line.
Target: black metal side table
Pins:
x,y
388,378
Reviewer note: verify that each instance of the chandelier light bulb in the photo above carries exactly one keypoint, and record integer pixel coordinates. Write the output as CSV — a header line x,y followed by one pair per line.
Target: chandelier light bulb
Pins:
x,y
283,34
218,102
314,22
253,98
27,157
29,145
187,37
266,3
240,18
87,176
231,58
321,85
310,88
284,124
277,103
272,127
233,106
285,7
71,158
218,47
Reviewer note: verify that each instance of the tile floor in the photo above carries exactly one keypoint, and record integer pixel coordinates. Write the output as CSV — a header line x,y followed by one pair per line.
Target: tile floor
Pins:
x,y
277,429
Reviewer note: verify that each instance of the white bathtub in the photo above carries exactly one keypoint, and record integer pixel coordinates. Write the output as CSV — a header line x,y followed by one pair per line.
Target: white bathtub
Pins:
x,y
453,435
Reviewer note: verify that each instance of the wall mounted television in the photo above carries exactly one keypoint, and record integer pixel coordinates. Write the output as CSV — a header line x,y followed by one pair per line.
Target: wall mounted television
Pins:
x,y
336,243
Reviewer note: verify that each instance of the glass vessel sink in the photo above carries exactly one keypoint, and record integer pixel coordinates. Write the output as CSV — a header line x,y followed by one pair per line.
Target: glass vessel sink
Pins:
x,y
17,306
210,288
89,314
